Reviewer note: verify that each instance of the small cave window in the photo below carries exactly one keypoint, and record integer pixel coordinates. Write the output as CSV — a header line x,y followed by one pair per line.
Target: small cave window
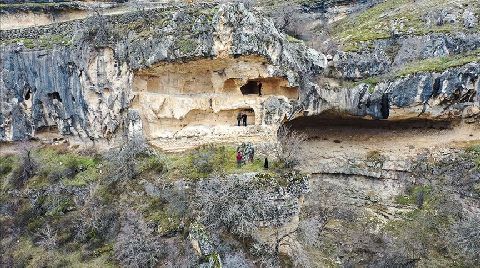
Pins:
x,y
252,87
28,94
54,96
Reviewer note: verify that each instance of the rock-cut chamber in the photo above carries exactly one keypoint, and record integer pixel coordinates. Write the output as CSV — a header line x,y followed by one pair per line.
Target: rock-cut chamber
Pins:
x,y
201,99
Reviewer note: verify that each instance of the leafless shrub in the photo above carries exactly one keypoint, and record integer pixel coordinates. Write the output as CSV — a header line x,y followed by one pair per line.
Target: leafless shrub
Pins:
x,y
247,3
179,254
96,223
466,238
290,142
241,206
230,204
236,259
135,246
47,237
26,169
286,19
122,162
309,230
266,256
300,257
176,199
209,158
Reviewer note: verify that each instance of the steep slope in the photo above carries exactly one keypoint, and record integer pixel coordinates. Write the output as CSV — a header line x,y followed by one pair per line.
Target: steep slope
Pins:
x,y
119,134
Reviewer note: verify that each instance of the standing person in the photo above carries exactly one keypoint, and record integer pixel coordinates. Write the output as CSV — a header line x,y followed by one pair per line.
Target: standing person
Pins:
x,y
244,117
265,165
252,153
259,89
239,159
239,118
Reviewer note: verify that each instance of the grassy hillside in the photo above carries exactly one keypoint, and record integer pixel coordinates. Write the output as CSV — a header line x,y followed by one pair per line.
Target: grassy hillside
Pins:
x,y
417,17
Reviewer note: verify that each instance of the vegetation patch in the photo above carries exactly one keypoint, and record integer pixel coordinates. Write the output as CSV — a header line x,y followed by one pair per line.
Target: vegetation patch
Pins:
x,y
187,45
7,165
43,42
292,39
416,195
474,150
27,254
208,159
440,64
402,16
57,164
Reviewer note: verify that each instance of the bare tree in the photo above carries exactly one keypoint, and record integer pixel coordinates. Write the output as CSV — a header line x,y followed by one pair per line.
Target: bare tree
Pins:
x,y
123,161
27,167
48,237
135,246
289,146
466,238
241,205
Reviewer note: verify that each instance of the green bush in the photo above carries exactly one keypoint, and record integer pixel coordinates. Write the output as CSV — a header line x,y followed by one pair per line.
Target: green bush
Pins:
x,y
474,151
415,195
209,158
7,165
152,163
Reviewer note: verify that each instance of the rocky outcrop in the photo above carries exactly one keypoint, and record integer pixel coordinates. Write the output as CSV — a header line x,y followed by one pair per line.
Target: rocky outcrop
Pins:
x,y
384,56
76,78
83,85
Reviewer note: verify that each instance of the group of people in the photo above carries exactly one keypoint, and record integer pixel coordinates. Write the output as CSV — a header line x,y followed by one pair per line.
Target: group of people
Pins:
x,y
242,117
246,152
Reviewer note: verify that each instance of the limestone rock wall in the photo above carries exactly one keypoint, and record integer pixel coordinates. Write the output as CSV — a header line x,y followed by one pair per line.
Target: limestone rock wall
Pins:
x,y
90,78
92,69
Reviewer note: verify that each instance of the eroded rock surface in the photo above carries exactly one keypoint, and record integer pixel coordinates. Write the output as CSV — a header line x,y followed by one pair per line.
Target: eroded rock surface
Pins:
x,y
179,74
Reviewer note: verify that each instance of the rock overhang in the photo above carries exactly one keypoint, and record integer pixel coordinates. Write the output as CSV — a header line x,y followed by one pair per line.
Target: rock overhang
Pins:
x,y
103,58
99,65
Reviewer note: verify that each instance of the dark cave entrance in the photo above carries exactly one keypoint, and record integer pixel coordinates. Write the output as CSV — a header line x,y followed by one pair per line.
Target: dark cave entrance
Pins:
x,y
330,125
54,96
251,87
27,95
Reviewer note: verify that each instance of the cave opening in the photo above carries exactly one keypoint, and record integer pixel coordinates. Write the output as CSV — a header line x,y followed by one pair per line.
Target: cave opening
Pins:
x,y
276,86
350,127
230,85
252,87
27,95
54,96
46,129
209,118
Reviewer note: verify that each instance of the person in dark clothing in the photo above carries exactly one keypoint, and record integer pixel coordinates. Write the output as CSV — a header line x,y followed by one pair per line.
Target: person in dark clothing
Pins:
x,y
385,108
239,159
239,118
265,165
259,89
252,154
244,117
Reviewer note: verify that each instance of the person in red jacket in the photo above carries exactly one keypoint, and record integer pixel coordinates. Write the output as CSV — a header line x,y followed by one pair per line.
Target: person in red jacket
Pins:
x,y
239,159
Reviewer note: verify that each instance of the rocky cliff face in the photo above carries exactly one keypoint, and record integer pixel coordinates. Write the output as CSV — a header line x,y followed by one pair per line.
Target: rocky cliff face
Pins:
x,y
83,86
77,78
383,95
